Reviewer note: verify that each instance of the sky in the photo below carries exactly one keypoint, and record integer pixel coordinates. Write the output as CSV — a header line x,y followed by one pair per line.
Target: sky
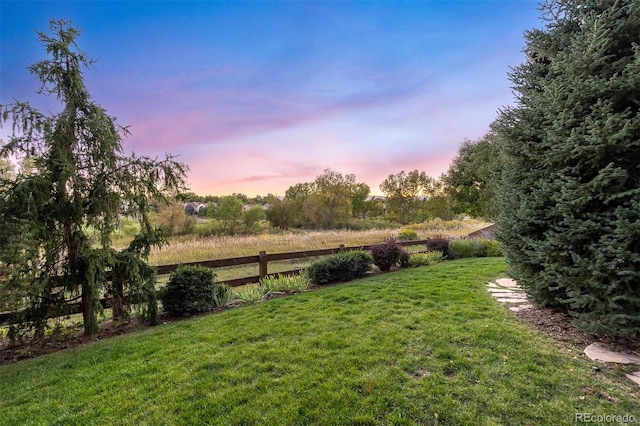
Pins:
x,y
256,96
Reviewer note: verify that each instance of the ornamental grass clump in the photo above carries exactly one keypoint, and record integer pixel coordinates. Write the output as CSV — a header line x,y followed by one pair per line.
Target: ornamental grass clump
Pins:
x,y
286,283
249,295
423,259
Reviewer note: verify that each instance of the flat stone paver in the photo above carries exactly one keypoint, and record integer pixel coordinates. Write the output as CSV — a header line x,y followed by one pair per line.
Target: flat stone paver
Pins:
x,y
600,352
634,377
500,290
511,299
514,293
507,282
521,307
507,291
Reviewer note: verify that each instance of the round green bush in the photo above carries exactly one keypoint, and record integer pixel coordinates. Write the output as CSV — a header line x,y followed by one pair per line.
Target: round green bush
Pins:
x,y
340,267
190,290
462,248
407,234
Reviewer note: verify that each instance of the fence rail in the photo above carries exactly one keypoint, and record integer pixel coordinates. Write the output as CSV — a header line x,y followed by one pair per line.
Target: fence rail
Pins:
x,y
262,259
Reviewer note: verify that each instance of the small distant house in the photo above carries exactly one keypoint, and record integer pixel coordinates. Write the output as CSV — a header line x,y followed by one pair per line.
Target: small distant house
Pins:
x,y
194,207
247,207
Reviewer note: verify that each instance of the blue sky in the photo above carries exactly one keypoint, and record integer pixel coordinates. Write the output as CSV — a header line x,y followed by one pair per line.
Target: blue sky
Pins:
x,y
256,96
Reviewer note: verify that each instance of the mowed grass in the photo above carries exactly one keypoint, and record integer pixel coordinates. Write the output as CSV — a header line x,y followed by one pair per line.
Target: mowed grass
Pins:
x,y
419,346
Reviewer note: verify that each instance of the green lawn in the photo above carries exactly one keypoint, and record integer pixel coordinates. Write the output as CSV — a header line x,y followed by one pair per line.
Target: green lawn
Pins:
x,y
419,346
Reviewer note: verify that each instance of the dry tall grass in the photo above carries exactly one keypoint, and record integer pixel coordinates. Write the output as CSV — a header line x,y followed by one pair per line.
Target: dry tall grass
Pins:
x,y
192,249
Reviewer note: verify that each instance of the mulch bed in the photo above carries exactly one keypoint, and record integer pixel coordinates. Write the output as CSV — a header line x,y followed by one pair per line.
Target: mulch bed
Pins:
x,y
558,325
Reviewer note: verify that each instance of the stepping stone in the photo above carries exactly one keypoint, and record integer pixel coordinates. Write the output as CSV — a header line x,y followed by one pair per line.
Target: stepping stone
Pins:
x,y
634,377
500,290
511,295
493,285
600,352
521,307
507,282
510,299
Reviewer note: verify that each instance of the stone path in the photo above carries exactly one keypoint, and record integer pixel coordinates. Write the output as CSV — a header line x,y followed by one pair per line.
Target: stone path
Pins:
x,y
507,291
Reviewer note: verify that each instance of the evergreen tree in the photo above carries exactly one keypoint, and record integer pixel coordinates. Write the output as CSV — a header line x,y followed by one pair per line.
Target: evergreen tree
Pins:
x,y
569,193
82,182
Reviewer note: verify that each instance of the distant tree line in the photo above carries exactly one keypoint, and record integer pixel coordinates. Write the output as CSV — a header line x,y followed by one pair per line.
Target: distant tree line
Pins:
x,y
334,200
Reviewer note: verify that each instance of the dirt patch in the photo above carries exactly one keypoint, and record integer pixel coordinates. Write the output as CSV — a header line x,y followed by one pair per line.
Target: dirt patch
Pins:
x,y
71,337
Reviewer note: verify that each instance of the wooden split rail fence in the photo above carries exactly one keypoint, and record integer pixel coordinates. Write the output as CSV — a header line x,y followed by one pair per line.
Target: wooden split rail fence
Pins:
x,y
262,259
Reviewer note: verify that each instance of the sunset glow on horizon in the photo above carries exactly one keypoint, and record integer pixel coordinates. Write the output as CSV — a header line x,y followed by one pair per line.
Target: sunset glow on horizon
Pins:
x,y
257,96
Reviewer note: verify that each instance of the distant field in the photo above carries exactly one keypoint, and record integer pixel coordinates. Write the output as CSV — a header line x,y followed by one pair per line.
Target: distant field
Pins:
x,y
193,249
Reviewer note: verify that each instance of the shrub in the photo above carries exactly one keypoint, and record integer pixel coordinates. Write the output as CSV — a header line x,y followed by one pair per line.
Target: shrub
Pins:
x,y
129,227
387,254
459,249
191,289
340,267
440,244
208,228
474,248
174,221
407,234
367,224
493,248
423,259
453,224
435,224
404,259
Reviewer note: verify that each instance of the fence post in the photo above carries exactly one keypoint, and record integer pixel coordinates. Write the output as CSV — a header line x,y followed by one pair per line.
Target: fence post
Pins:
x,y
262,269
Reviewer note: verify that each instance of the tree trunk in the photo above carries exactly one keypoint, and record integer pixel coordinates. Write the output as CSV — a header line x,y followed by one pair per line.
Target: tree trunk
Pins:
x,y
88,312
117,297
